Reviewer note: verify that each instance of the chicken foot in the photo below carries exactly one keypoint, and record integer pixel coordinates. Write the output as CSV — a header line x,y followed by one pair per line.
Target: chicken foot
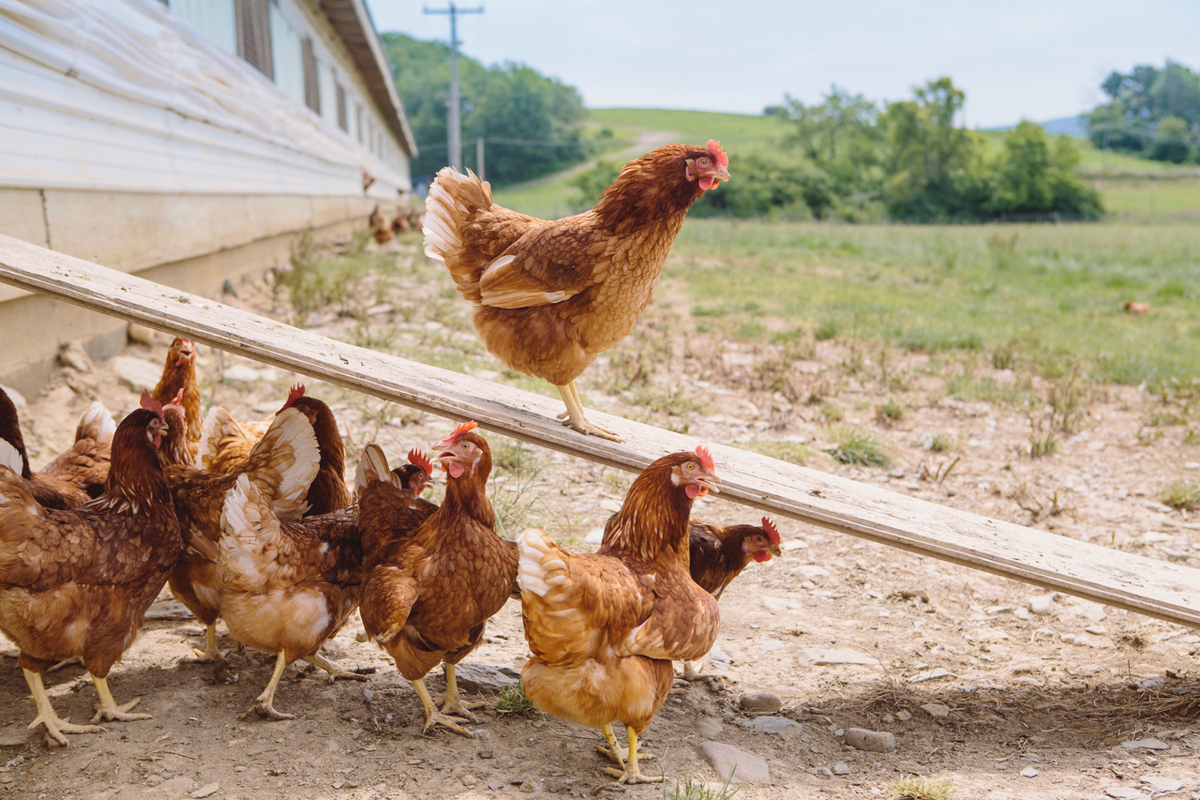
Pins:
x,y
452,703
333,669
631,773
614,752
264,703
576,419
433,716
107,708
210,652
55,725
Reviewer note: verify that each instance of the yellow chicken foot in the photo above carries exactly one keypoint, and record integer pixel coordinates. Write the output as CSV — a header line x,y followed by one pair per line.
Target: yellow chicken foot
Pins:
x,y
210,651
333,669
615,752
432,715
55,725
264,704
107,708
632,774
691,671
452,703
577,420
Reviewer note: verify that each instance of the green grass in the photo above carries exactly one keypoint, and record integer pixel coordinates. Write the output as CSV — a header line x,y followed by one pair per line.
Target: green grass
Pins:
x,y
1181,494
512,700
858,446
923,789
792,452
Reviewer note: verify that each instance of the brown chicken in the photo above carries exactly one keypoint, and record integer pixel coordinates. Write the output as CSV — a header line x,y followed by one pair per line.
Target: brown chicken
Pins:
x,y
179,375
226,443
76,475
550,297
604,627
78,582
282,466
434,579
287,587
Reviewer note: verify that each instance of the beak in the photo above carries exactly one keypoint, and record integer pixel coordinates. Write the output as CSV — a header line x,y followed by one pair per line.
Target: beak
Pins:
x,y
723,175
776,551
708,483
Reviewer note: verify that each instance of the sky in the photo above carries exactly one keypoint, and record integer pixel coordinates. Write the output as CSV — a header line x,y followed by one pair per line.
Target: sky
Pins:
x,y
1017,59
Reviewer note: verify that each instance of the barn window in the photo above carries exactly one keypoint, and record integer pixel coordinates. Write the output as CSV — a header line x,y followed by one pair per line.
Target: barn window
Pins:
x,y
312,90
342,118
254,34
287,60
216,19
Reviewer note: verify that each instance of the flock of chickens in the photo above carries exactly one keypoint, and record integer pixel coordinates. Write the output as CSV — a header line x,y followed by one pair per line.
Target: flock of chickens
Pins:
x,y
254,523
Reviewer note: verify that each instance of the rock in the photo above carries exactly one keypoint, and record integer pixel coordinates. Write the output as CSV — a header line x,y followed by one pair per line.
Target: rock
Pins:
x,y
1164,785
823,772
79,371
987,635
871,741
175,787
72,356
903,716
1088,670
17,736
469,780
912,769
930,675
1096,630
708,727
168,609
776,725
719,659
495,786
1042,604
841,768
937,710
739,766
139,334
242,374
761,702
1145,744
1029,772
594,536
137,374
1122,793
768,645
206,790
485,679
1022,613
822,657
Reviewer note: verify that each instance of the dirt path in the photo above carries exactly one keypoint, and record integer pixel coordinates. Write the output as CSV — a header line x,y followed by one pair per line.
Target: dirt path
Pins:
x,y
982,681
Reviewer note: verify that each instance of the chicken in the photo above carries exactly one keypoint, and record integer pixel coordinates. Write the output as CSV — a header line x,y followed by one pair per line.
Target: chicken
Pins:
x,y
78,582
719,554
381,226
225,443
434,577
282,465
604,627
76,475
550,297
287,587
179,374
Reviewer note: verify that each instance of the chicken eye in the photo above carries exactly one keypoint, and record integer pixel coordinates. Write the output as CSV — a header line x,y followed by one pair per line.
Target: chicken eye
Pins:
x,y
691,466
466,446
704,162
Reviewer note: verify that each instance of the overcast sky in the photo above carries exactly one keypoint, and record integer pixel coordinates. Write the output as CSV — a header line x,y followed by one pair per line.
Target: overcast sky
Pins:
x,y
1037,59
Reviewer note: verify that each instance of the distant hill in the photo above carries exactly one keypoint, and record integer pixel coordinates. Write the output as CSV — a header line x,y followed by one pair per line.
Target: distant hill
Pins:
x,y
1064,126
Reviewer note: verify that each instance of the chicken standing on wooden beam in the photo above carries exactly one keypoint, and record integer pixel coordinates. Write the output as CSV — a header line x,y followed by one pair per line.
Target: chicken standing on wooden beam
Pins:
x,y
552,296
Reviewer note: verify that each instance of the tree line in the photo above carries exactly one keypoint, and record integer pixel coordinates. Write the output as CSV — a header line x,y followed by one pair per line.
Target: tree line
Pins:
x,y
512,105
1150,112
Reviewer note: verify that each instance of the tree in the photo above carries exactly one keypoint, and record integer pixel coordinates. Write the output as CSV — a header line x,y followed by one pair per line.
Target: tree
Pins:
x,y
1172,141
1031,177
1139,102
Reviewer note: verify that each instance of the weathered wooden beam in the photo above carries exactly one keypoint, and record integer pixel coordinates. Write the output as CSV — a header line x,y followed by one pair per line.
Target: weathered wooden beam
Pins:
x,y
1160,589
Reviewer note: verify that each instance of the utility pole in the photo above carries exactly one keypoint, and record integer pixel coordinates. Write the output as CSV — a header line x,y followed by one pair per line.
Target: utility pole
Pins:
x,y
453,123
479,157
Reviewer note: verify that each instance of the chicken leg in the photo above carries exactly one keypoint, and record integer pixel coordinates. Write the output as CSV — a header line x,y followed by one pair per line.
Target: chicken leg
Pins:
x,y
55,725
432,715
264,704
210,652
631,773
107,708
576,418
452,703
333,669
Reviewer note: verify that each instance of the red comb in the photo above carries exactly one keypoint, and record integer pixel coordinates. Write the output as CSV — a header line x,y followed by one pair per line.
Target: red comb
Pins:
x,y
415,456
718,154
772,531
150,404
705,457
295,394
178,398
465,427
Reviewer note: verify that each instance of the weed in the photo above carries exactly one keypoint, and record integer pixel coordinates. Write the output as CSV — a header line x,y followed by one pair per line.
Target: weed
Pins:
x,y
923,789
1191,437
696,788
512,700
825,330
938,473
511,493
1004,356
830,412
941,442
791,452
1180,494
1066,397
857,446
1042,445
889,412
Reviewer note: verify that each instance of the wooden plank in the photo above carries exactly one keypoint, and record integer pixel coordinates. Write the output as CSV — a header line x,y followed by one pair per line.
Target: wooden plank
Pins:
x,y
1160,589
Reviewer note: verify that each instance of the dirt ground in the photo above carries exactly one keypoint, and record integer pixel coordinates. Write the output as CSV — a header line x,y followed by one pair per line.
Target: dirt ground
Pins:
x,y
984,682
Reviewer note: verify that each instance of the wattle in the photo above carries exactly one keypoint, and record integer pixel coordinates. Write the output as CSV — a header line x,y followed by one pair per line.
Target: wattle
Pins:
x,y
455,469
706,182
761,556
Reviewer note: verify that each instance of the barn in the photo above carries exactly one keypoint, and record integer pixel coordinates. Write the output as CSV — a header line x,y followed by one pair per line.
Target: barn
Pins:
x,y
186,141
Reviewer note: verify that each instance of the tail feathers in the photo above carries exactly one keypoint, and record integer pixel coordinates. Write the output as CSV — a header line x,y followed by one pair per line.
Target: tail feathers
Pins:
x,y
96,423
372,467
248,527
218,426
540,566
453,197
284,463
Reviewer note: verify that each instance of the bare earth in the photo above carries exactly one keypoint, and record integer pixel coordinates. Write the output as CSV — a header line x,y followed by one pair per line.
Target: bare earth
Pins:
x,y
1032,705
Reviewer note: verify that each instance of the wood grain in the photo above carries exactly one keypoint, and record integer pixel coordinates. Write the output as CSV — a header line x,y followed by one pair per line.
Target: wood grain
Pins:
x,y
1160,589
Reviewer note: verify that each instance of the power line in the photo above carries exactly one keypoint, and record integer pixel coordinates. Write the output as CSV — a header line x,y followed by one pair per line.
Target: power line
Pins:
x,y
453,124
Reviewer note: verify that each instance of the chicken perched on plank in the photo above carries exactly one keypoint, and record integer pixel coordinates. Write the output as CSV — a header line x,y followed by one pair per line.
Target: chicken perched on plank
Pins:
x,y
550,297
78,582
604,627
282,465
287,587
435,577
179,375
79,473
